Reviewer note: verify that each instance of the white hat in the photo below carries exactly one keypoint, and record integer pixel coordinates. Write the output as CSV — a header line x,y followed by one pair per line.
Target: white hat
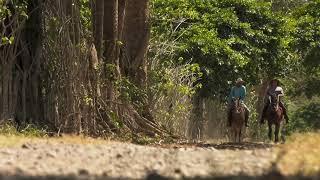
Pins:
x,y
239,80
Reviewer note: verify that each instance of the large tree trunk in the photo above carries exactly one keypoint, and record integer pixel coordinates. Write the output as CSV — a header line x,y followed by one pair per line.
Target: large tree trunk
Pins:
x,y
136,37
68,91
98,14
111,31
261,92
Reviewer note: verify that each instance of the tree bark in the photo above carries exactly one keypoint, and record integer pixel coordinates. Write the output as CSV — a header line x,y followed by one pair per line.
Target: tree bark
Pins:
x,y
261,92
98,15
136,37
110,39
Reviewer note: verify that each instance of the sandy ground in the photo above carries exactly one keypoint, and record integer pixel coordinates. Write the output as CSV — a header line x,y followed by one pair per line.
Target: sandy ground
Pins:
x,y
125,160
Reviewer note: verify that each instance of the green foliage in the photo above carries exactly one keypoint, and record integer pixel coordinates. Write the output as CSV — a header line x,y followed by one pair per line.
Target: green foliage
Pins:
x,y
285,6
305,116
308,28
226,38
13,11
6,40
86,17
173,87
172,81
130,92
307,44
164,79
110,71
9,129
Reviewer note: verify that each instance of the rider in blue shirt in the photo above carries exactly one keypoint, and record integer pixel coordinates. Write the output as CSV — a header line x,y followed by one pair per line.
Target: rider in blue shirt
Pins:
x,y
238,91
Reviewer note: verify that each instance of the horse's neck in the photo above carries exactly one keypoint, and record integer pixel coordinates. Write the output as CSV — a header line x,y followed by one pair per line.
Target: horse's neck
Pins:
x,y
277,103
237,103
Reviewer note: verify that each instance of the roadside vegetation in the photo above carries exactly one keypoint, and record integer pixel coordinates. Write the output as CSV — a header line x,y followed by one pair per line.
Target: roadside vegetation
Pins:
x,y
64,70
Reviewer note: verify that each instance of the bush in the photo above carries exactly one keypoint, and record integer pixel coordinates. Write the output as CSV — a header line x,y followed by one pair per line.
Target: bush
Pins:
x,y
9,129
305,118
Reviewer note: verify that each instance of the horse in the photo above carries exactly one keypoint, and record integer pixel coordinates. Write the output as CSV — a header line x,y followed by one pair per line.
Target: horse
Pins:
x,y
238,119
274,116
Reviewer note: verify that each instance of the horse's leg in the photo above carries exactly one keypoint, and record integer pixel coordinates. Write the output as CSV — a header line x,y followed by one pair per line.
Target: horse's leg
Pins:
x,y
270,131
276,132
240,135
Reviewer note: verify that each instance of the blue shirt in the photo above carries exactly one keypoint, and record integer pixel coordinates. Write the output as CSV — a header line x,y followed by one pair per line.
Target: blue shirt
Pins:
x,y
237,92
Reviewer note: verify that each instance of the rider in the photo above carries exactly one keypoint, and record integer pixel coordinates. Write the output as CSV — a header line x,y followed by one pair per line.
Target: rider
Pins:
x,y
237,91
274,87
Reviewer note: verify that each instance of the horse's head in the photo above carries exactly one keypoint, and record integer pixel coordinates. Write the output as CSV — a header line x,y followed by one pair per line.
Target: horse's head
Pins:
x,y
236,104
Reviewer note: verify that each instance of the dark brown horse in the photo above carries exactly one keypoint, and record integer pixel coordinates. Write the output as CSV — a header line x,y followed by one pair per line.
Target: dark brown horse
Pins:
x,y
274,116
237,120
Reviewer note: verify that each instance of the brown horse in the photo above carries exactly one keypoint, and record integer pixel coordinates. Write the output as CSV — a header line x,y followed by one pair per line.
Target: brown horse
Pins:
x,y
274,116
237,120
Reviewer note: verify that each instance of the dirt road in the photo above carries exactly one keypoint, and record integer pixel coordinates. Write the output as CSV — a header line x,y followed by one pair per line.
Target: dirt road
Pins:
x,y
125,160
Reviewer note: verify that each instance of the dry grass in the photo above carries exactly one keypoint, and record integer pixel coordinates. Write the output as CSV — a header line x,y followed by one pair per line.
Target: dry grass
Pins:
x,y
9,141
13,140
301,155
10,137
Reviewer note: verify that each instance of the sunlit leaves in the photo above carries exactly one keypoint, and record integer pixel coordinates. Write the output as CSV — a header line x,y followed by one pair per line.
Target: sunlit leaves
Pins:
x,y
307,43
229,38
6,40
11,13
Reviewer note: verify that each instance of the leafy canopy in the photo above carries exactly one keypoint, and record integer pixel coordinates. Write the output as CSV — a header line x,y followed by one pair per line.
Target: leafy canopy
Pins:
x,y
227,38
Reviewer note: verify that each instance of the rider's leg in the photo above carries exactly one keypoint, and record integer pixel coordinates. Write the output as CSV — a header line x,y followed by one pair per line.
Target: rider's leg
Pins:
x,y
284,111
247,112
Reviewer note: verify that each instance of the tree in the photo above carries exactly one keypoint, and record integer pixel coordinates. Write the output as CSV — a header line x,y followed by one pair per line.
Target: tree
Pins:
x,y
228,39
59,72
21,60
286,6
307,43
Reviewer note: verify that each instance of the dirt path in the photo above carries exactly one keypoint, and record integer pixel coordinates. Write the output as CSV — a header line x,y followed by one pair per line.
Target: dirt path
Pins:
x,y
121,160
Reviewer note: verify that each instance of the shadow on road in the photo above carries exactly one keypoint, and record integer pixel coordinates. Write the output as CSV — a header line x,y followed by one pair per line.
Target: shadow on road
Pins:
x,y
237,146
221,146
155,176
270,176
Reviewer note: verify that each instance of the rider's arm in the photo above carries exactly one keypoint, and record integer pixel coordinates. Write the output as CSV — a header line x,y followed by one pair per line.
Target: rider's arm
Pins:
x,y
243,93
